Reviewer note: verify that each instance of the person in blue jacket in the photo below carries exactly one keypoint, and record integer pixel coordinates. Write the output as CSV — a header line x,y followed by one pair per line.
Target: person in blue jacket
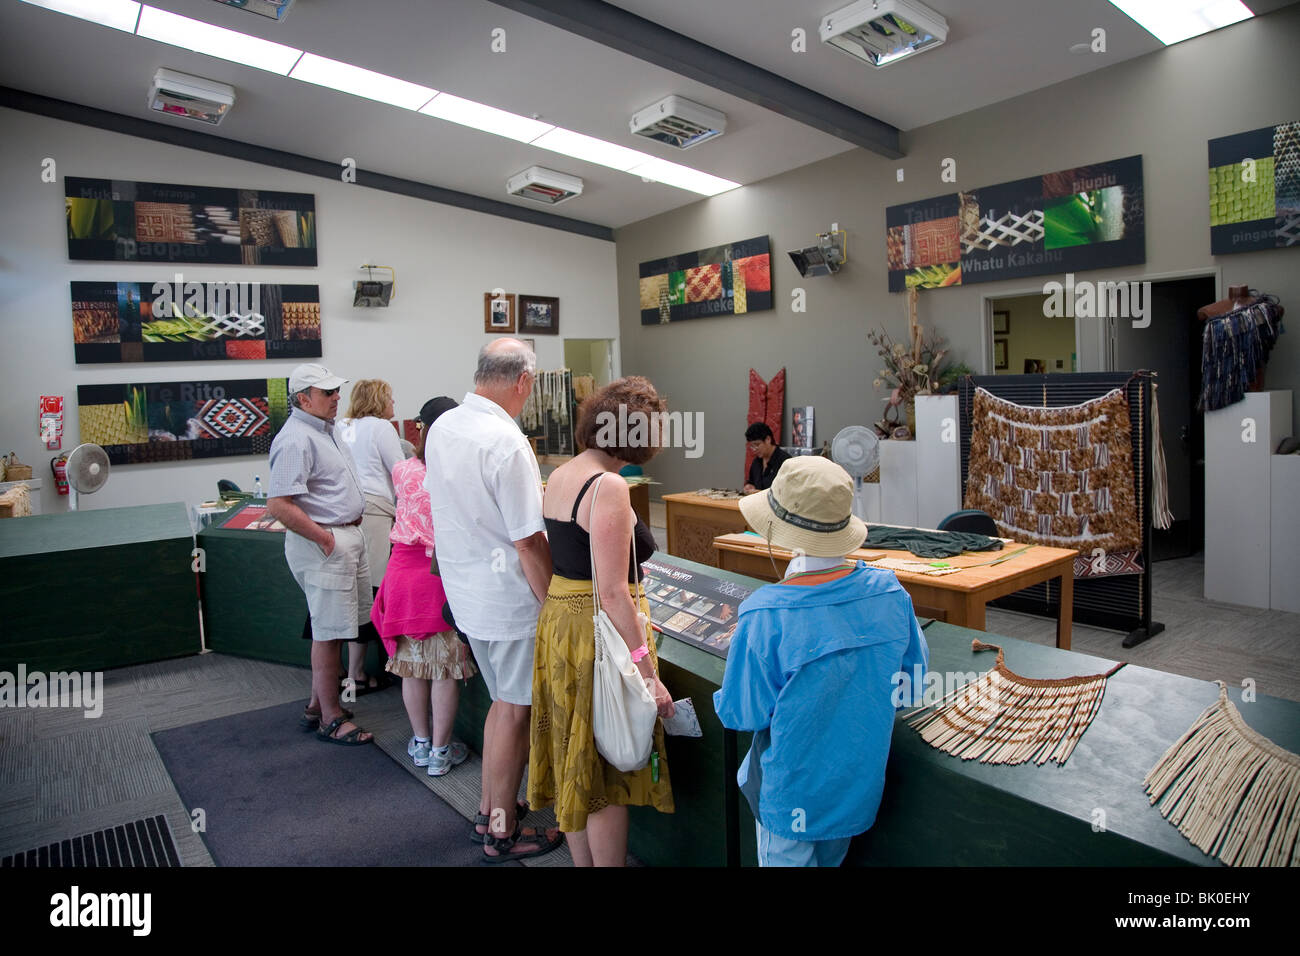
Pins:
x,y
816,666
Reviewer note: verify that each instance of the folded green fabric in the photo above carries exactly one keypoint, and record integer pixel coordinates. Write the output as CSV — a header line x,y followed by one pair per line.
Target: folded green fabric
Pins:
x,y
929,544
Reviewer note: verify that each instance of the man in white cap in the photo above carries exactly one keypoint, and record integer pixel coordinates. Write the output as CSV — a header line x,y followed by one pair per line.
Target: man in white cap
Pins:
x,y
814,668
316,495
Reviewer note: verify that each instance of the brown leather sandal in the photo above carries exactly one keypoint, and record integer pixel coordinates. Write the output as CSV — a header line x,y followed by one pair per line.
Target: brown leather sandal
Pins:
x,y
536,840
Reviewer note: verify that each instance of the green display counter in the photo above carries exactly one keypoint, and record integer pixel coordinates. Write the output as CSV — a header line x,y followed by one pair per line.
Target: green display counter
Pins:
x,y
712,825
252,606
939,810
89,590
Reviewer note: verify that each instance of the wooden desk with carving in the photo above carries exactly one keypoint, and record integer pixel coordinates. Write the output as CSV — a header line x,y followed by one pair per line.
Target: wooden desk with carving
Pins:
x,y
694,521
955,598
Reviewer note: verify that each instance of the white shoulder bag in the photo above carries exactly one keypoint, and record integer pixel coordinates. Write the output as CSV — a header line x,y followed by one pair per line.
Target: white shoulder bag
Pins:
x,y
623,710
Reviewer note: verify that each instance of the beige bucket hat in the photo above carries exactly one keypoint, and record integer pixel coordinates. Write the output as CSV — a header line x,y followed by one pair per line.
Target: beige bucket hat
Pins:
x,y
809,508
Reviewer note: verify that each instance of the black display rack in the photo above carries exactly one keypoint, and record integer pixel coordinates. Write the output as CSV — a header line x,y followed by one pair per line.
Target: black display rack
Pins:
x,y
1123,602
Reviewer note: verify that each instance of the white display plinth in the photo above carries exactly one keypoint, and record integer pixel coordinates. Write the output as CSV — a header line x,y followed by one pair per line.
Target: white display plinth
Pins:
x,y
898,483
1285,539
1239,443
938,459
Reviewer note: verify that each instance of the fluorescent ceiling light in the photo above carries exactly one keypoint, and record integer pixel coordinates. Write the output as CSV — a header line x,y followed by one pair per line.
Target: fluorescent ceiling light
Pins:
x,y
489,119
593,150
215,41
683,177
1171,21
118,14
347,78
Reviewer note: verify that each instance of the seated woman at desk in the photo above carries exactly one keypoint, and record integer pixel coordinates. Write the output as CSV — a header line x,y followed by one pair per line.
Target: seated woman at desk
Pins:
x,y
768,458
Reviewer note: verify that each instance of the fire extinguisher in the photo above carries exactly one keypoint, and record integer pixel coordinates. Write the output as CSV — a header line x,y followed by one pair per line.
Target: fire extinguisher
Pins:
x,y
59,465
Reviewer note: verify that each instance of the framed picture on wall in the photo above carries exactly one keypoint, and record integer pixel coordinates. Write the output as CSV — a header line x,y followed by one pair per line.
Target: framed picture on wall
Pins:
x,y
498,312
999,353
1001,323
539,315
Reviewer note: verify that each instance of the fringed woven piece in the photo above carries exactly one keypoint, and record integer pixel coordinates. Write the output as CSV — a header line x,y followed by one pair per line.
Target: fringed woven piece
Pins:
x,y
1231,791
1008,719
1234,349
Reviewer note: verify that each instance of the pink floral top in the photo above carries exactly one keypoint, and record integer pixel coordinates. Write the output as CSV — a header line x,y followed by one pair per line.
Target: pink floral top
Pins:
x,y
414,521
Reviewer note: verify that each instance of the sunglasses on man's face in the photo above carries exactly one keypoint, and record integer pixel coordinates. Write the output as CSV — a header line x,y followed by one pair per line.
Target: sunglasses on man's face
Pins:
x,y
328,391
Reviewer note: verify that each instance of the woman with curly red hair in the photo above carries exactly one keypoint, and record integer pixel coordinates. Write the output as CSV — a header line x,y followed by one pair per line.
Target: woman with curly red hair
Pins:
x,y
588,511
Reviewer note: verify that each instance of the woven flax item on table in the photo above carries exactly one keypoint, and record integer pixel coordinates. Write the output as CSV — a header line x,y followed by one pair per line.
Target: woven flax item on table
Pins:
x,y
1008,719
1231,791
1061,477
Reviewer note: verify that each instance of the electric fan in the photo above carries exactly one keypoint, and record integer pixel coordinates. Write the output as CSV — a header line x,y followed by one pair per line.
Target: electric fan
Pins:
x,y
856,449
87,472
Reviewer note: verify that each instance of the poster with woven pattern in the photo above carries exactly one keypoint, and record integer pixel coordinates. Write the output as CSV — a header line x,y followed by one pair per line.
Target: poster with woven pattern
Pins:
x,y
193,321
125,221
1070,220
1255,190
139,423
733,279
1061,477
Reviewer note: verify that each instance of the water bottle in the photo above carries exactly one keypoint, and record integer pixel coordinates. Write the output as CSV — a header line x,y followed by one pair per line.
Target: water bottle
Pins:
x,y
257,486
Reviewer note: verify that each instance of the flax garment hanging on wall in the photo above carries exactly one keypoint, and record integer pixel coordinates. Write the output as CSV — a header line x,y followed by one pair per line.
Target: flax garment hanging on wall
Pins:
x,y
767,405
1008,719
1231,791
1061,477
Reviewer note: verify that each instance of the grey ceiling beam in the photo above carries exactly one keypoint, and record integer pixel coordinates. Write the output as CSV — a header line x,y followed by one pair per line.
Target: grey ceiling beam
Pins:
x,y
325,169
646,40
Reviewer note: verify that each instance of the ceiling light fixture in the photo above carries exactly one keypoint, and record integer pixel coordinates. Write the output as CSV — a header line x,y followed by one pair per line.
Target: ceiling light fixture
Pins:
x,y
1172,21
118,14
678,122
581,146
881,32
215,41
683,177
488,119
358,81
191,97
189,34
544,185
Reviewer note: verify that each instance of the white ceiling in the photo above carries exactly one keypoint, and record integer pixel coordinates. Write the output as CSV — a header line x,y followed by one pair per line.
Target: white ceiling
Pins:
x,y
996,49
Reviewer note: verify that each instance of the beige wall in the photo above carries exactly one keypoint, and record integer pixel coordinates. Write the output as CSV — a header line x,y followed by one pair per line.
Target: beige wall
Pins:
x,y
1164,106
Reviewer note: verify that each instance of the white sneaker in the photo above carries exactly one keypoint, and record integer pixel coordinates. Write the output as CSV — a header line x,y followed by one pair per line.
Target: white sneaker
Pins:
x,y
454,755
419,752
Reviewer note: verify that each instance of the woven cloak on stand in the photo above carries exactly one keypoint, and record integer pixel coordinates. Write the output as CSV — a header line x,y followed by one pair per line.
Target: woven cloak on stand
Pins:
x,y
767,405
1060,477
1231,791
1234,350
1008,719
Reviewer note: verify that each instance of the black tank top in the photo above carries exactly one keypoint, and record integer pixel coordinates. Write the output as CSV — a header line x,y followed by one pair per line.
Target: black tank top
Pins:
x,y
571,546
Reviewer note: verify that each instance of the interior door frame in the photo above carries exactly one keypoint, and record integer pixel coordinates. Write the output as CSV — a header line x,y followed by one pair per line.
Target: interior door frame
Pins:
x,y
1105,342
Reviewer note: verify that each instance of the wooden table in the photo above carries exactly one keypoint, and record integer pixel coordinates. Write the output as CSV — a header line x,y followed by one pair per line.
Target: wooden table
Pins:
x,y
694,521
954,598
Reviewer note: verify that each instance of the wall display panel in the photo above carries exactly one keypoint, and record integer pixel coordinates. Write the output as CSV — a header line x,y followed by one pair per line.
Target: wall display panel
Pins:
x,y
1089,217
139,423
193,321
123,221
722,280
1255,190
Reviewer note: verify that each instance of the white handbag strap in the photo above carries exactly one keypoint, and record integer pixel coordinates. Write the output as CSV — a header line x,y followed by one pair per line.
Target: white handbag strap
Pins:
x,y
591,544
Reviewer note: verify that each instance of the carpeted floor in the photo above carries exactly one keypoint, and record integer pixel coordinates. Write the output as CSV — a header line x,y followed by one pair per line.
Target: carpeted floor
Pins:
x,y
271,795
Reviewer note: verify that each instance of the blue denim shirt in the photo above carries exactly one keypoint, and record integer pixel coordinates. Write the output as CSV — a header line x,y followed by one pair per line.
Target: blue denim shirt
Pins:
x,y
813,672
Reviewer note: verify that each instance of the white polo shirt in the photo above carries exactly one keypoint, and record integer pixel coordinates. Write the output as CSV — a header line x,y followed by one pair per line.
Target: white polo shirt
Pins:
x,y
485,493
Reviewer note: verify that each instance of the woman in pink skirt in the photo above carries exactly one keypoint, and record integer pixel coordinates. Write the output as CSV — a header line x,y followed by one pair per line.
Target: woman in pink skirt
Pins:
x,y
423,648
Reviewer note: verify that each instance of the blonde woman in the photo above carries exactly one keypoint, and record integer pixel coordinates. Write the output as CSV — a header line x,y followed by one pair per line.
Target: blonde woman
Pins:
x,y
369,433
